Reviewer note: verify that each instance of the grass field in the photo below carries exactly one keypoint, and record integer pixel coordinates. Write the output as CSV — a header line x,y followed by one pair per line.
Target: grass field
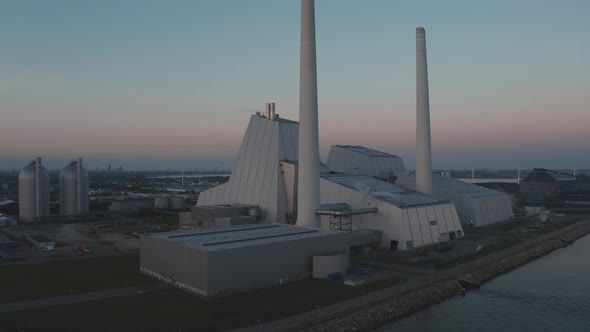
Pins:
x,y
498,245
553,226
34,281
503,227
173,310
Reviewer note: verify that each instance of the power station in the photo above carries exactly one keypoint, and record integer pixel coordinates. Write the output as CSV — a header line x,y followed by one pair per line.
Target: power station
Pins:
x,y
284,216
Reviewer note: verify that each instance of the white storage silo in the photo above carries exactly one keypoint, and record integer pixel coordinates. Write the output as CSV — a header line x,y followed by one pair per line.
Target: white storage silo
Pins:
x,y
33,189
73,189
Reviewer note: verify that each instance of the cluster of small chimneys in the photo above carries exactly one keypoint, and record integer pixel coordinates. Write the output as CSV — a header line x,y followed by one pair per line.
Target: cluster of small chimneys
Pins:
x,y
270,112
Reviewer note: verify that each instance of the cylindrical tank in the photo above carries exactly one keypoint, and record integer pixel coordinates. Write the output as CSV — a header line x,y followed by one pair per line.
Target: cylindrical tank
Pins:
x,y
254,212
162,202
177,203
33,190
73,189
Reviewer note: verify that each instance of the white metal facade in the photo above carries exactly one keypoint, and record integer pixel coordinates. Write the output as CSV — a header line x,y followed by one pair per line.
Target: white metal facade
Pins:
x,y
417,221
256,177
265,171
474,203
363,161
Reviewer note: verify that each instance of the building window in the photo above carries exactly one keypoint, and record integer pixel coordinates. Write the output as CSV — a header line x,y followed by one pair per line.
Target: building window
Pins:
x,y
393,245
409,245
432,222
459,234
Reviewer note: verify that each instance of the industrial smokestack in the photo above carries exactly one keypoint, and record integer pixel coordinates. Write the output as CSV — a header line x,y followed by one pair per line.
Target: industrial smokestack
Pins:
x,y
79,186
423,149
308,196
38,185
270,111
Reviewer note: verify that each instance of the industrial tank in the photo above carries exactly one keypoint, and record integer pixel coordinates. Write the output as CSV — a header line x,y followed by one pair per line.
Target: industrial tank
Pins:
x,y
33,191
162,202
254,212
73,189
177,203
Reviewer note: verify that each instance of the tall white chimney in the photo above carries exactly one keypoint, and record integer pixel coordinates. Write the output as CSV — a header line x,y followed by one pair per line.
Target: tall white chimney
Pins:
x,y
308,195
79,188
38,201
423,150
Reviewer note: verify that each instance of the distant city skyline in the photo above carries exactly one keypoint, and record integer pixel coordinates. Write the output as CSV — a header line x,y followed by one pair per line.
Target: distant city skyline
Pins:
x,y
170,85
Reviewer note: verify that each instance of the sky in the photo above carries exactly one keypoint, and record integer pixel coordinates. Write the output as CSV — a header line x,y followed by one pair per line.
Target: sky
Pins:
x,y
171,84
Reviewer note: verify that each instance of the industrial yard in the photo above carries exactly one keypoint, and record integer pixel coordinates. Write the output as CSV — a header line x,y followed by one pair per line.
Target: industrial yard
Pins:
x,y
131,297
68,277
283,241
78,240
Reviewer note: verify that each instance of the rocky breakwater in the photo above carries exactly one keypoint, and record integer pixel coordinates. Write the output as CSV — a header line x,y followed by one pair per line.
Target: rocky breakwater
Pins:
x,y
372,317
474,278
376,315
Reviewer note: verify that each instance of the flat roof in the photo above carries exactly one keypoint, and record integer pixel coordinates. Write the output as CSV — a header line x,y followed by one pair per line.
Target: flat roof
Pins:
x,y
383,190
240,236
40,238
5,239
366,151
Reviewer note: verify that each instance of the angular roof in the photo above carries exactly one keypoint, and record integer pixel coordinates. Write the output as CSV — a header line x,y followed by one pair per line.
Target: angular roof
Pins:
x,y
366,151
383,190
545,175
359,160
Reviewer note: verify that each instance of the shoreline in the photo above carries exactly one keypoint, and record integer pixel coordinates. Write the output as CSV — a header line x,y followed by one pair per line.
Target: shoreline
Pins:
x,y
392,309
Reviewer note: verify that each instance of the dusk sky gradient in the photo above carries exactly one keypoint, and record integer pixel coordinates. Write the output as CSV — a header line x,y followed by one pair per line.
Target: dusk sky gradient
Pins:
x,y
171,84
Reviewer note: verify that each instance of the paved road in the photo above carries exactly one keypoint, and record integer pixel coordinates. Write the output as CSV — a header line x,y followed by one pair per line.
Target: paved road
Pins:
x,y
420,279
79,298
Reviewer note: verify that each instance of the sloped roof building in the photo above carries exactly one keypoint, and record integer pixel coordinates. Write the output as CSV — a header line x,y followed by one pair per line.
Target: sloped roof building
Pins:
x,y
265,174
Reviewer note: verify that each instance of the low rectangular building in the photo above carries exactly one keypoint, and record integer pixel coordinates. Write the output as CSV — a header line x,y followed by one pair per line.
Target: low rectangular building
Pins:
x,y
6,220
5,242
236,259
41,241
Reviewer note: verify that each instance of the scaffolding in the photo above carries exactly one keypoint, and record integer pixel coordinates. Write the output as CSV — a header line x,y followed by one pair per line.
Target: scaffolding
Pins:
x,y
341,215
341,222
